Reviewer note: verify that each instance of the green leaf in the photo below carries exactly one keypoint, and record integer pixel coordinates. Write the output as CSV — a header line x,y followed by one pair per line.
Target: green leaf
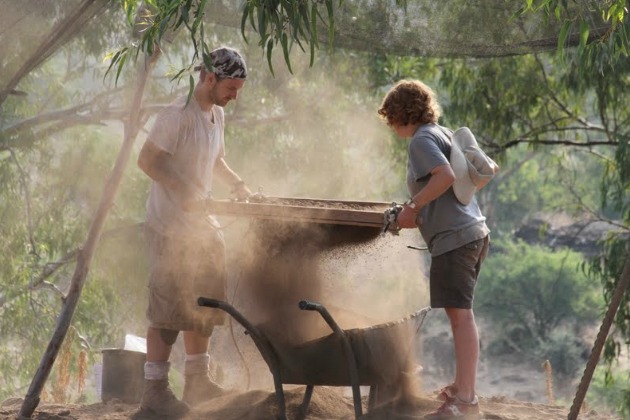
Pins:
x,y
314,42
285,50
564,33
191,88
207,61
584,31
262,23
252,19
130,8
108,56
269,50
243,22
114,61
178,75
199,15
306,20
277,20
121,64
331,23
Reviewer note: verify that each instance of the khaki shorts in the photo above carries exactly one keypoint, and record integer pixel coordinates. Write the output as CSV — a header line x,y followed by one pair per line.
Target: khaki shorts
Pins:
x,y
453,275
180,271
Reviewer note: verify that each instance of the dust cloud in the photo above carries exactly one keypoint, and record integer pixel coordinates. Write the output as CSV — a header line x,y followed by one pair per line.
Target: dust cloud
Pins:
x,y
281,263
339,150
289,261
363,278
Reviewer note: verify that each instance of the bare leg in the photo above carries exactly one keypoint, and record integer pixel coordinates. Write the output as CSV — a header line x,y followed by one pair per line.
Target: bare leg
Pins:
x,y
194,343
157,349
466,343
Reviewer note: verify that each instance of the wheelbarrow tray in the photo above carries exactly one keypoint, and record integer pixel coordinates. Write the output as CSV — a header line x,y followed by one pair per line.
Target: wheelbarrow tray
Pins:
x,y
381,353
377,356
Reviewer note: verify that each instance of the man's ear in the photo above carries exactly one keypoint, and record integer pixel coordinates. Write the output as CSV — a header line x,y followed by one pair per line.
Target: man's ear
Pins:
x,y
211,79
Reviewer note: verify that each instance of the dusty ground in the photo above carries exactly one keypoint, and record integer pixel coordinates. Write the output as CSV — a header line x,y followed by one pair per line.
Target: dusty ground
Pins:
x,y
368,280
327,403
507,392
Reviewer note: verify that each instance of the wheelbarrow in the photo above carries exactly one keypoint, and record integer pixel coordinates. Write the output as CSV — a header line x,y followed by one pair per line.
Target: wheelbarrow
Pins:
x,y
376,356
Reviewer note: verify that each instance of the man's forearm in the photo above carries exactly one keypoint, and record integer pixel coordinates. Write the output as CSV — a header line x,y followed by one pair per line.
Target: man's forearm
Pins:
x,y
226,174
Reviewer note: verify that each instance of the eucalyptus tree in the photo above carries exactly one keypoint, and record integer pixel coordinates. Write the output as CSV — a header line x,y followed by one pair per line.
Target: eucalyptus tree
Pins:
x,y
600,68
570,111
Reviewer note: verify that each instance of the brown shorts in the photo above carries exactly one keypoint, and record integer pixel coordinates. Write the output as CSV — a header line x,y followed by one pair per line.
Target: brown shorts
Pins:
x,y
453,275
180,271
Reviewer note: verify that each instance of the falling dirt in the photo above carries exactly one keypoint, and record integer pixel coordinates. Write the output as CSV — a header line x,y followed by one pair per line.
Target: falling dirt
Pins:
x,y
284,268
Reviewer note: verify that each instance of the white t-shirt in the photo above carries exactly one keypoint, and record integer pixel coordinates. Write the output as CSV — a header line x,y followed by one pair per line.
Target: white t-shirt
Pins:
x,y
195,140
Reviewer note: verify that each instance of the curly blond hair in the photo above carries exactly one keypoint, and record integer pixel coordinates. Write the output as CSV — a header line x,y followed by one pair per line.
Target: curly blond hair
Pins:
x,y
410,102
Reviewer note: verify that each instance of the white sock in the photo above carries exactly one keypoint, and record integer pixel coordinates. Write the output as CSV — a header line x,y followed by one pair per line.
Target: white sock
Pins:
x,y
156,370
196,363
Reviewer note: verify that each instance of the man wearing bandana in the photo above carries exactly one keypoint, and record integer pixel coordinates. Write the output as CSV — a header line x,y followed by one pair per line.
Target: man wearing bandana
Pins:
x,y
182,155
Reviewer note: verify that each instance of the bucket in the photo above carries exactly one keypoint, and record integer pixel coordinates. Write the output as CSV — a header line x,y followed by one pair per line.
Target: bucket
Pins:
x,y
123,375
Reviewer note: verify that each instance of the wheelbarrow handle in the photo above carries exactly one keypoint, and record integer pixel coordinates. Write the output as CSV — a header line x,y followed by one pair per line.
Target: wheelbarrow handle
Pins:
x,y
212,303
306,305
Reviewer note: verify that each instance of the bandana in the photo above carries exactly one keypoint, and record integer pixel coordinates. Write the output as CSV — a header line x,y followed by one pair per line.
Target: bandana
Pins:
x,y
227,63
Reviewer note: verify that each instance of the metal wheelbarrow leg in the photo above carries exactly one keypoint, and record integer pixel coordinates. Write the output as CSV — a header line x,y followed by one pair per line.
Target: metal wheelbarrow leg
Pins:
x,y
352,363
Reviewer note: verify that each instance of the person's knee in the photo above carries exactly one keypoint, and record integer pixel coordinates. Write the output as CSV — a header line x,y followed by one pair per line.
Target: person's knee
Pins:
x,y
459,316
168,336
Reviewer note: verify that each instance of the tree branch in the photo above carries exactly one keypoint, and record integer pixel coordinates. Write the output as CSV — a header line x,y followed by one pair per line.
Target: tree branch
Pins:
x,y
555,99
52,267
47,271
559,142
27,197
63,119
60,34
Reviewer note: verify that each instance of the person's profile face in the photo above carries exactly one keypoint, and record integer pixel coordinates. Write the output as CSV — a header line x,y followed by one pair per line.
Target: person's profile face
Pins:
x,y
404,131
225,90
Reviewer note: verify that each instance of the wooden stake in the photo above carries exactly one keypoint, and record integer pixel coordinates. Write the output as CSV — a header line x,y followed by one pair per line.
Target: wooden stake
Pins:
x,y
615,301
132,126
549,380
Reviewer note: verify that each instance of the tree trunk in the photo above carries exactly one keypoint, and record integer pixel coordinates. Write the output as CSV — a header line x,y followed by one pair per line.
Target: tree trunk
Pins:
x,y
615,301
132,126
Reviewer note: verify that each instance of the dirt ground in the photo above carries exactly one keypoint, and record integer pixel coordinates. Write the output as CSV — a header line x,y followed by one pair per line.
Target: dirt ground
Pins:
x,y
327,403
507,391
374,280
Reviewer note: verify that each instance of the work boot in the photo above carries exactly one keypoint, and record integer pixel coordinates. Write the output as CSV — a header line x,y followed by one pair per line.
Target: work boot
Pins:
x,y
158,399
199,388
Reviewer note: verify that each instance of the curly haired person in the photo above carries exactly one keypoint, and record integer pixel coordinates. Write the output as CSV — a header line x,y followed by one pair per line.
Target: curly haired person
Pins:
x,y
451,224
